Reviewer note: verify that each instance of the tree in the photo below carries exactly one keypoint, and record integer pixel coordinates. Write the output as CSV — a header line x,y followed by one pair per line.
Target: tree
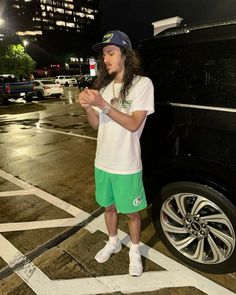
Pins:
x,y
16,61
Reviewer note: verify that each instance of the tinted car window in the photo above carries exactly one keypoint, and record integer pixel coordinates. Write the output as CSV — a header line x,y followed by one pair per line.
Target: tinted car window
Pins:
x,y
203,73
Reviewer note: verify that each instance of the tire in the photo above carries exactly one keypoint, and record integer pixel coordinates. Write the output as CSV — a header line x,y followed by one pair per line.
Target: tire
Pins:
x,y
67,84
3,100
58,95
198,225
40,95
29,98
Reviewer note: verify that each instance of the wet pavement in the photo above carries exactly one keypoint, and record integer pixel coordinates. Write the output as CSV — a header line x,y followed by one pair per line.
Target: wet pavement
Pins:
x,y
51,226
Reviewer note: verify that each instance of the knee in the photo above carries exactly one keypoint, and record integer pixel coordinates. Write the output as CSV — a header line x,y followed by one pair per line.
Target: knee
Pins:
x,y
110,209
134,216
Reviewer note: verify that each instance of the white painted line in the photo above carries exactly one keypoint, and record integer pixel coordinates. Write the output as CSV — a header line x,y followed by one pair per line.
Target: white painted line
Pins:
x,y
74,211
173,267
29,225
15,180
38,281
18,193
175,275
149,281
155,256
30,274
66,133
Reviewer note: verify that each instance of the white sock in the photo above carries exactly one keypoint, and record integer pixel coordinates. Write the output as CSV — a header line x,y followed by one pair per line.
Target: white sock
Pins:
x,y
134,247
113,239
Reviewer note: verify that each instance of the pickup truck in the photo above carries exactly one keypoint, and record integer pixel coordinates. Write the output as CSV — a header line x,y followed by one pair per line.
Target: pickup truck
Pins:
x,y
10,88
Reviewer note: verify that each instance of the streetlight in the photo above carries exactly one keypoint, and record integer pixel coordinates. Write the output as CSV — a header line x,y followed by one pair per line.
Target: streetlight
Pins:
x,y
1,21
25,43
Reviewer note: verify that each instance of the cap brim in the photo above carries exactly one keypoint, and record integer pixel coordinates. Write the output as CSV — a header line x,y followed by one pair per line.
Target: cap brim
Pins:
x,y
98,47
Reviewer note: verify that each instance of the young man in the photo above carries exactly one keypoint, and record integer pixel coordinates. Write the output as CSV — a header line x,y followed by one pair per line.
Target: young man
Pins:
x,y
118,108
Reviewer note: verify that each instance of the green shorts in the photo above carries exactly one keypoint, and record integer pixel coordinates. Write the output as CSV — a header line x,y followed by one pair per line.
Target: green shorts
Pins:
x,y
126,191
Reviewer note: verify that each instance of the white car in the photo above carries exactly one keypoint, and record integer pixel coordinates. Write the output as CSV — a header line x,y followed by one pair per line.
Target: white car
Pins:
x,y
66,80
47,88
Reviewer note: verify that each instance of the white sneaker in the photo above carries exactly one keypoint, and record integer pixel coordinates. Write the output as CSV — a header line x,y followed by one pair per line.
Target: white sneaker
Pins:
x,y
135,266
105,253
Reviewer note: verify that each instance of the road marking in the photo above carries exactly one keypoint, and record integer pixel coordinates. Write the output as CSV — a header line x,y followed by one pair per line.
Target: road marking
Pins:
x,y
66,133
174,275
52,223
74,211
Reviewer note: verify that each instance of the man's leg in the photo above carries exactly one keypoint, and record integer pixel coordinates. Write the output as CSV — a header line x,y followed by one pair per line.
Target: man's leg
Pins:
x,y
135,266
111,219
134,227
114,244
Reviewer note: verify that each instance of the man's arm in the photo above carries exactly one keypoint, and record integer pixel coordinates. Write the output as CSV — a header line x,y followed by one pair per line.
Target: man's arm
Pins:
x,y
130,122
92,115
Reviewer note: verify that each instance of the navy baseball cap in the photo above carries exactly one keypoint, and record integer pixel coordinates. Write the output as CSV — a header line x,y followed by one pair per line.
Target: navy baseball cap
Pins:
x,y
117,37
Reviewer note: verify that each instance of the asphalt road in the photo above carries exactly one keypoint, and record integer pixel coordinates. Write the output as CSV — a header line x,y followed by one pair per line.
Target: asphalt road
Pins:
x,y
50,225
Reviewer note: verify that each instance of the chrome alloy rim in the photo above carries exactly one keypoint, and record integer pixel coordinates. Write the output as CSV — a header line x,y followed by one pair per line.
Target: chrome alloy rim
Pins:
x,y
197,228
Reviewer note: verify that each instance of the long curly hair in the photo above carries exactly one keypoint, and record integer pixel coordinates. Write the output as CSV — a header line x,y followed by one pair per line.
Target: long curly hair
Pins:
x,y
132,68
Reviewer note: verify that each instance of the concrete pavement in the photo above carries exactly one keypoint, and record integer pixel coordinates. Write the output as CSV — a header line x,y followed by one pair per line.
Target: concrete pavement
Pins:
x,y
51,226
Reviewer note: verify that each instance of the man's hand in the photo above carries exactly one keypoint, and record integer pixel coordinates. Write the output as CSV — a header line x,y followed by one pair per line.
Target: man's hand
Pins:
x,y
91,97
81,99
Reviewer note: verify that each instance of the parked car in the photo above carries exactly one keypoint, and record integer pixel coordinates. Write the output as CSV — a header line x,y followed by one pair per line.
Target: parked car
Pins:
x,y
11,88
85,81
188,144
46,88
66,80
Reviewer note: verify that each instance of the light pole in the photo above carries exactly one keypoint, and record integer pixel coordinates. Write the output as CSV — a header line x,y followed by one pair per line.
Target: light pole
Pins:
x,y
1,23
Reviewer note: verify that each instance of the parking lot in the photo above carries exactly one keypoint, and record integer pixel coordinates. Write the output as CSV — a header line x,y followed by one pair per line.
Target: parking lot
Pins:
x,y
51,226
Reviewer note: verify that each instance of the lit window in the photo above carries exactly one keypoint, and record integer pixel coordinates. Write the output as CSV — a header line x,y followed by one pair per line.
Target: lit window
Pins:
x,y
49,8
36,19
70,25
27,33
60,23
68,11
43,13
60,10
42,7
90,16
80,14
71,6
16,6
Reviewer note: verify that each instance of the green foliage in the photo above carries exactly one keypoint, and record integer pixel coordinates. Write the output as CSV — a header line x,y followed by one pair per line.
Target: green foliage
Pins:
x,y
14,60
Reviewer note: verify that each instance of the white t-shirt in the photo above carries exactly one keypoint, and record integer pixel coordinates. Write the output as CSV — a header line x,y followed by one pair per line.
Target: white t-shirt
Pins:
x,y
118,149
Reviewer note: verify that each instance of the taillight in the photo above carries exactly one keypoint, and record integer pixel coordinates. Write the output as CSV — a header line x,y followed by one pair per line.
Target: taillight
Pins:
x,y
7,88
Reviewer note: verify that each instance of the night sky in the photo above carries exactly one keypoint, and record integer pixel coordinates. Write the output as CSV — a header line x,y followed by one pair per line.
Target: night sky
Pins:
x,y
135,16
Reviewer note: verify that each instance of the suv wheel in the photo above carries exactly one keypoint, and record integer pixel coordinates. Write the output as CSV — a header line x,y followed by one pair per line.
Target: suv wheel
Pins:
x,y
198,225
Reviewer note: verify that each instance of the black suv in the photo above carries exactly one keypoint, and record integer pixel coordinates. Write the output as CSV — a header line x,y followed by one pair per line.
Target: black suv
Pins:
x,y
189,144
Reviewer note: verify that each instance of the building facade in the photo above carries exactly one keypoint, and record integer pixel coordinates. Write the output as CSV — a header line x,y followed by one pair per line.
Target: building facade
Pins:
x,y
55,27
